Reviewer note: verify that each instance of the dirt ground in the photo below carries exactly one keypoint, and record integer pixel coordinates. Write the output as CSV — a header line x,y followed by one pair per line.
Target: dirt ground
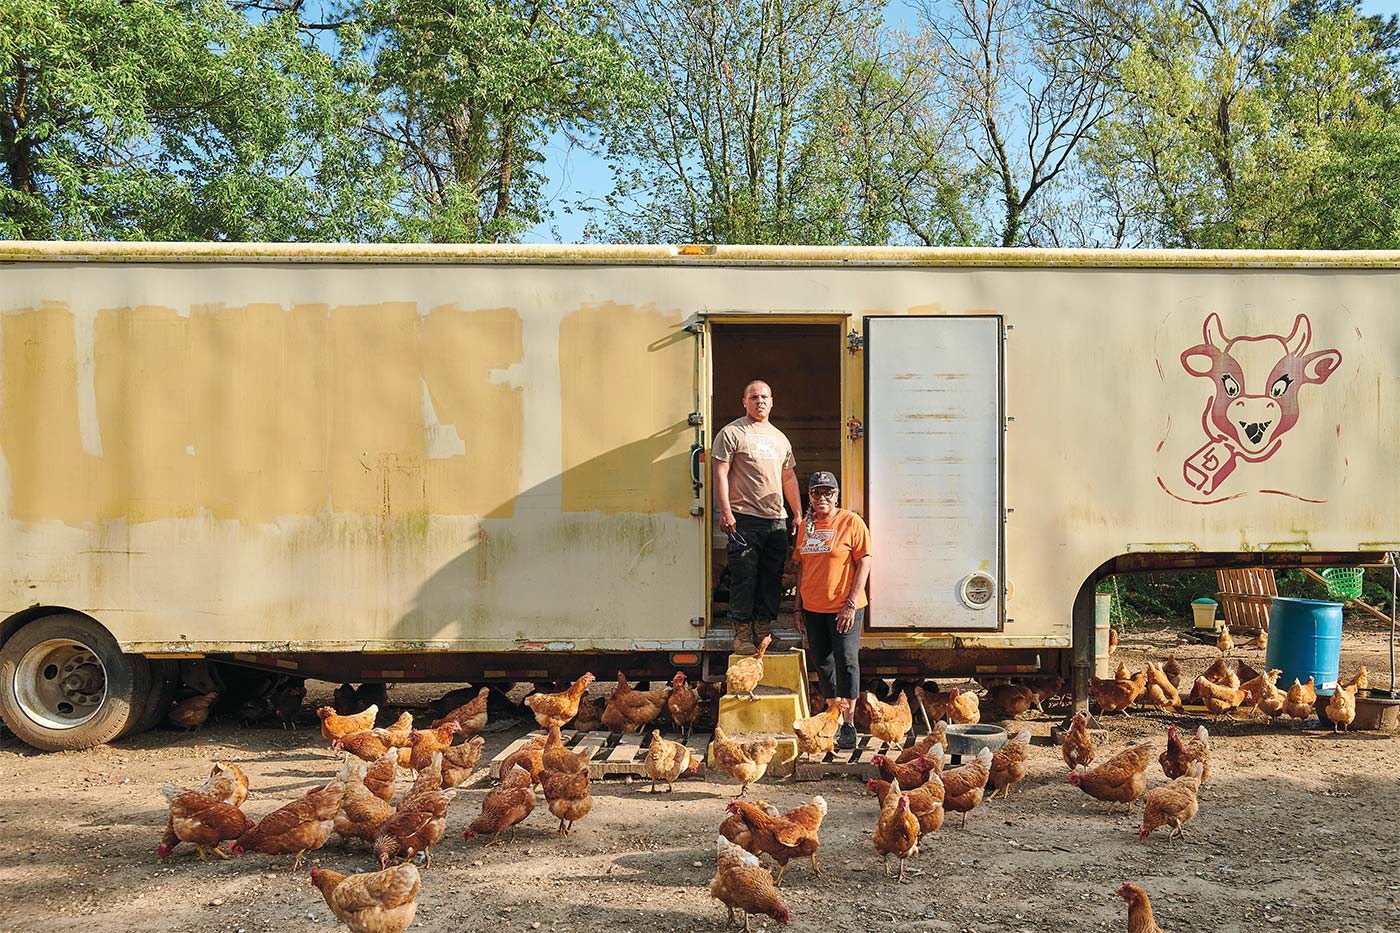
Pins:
x,y
1298,831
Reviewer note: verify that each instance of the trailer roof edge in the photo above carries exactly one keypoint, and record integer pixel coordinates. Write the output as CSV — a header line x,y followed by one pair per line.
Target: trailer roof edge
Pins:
x,y
468,253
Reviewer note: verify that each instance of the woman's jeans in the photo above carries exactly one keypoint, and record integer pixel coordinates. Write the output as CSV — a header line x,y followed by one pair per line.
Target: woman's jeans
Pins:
x,y
836,656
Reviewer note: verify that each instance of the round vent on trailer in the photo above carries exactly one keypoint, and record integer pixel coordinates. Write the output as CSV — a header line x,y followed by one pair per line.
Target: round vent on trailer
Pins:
x,y
978,590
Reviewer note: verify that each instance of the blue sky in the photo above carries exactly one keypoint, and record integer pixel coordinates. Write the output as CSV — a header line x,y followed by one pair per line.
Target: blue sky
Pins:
x,y
573,173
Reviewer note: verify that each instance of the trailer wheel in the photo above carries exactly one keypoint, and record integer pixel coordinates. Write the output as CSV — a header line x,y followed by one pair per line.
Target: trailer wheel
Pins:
x,y
65,684
164,679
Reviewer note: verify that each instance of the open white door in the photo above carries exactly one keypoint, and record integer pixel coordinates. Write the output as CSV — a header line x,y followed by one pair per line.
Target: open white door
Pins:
x,y
933,432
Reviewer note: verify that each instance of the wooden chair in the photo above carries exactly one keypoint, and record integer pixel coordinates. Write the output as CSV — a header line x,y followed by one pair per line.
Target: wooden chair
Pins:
x,y
1245,597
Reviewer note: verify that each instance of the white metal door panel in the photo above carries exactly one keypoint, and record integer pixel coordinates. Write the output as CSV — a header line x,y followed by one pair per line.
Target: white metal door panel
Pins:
x,y
933,471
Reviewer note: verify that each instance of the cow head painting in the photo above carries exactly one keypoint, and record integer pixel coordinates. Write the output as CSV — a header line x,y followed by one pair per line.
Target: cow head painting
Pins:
x,y
1254,401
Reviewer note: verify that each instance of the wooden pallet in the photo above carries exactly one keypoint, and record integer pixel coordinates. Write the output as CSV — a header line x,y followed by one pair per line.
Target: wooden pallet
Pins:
x,y
626,758
857,762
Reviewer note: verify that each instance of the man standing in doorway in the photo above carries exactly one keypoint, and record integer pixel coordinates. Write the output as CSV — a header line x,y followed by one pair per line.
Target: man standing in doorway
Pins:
x,y
753,474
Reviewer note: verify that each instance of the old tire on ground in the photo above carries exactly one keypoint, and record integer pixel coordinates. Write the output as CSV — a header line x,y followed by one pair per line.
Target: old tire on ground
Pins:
x,y
164,679
64,684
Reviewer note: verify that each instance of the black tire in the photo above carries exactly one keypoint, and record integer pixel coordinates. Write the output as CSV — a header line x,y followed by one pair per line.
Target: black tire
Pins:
x,y
115,686
164,678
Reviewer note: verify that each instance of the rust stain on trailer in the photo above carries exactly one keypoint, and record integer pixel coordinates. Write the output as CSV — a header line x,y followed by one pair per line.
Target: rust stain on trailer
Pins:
x,y
626,442
256,412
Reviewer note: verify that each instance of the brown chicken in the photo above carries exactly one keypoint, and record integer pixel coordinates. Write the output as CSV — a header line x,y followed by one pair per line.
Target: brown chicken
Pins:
x,y
192,713
1121,779
1009,763
590,714
1176,761
504,806
1271,698
745,674
1160,691
470,717
667,761
1112,640
935,703
1046,689
361,811
1362,680
458,761
1012,699
1341,708
365,746
1223,642
964,707
1256,688
1220,674
939,737
1173,671
1076,744
897,830
736,830
1140,919
745,762
910,774
556,709
419,820
298,827
890,722
567,795
423,743
1260,641
397,735
1301,699
343,700
380,775
1174,805
1115,696
792,835
1218,700
631,710
742,883
683,705
926,803
963,787
204,821
336,727
529,756
372,901
1122,672
555,757
816,735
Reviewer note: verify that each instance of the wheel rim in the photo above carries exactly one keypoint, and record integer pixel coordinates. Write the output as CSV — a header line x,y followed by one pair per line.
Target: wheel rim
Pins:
x,y
60,683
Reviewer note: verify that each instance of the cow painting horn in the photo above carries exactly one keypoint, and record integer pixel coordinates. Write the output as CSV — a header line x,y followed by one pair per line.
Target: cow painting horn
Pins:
x,y
1214,333
1298,341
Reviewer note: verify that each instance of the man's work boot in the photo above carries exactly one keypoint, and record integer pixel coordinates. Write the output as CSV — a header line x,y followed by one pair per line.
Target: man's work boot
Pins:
x,y
762,628
743,638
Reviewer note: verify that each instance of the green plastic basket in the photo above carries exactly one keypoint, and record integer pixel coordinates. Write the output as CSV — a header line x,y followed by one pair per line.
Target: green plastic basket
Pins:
x,y
1343,583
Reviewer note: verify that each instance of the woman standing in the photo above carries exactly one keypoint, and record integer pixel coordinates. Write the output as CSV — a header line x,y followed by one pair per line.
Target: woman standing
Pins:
x,y
833,562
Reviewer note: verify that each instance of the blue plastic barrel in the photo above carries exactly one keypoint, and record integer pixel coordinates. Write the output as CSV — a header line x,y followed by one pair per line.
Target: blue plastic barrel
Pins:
x,y
1305,640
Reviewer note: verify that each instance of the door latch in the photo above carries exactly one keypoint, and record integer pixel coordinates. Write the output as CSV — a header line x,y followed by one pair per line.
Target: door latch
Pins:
x,y
695,419
855,342
854,429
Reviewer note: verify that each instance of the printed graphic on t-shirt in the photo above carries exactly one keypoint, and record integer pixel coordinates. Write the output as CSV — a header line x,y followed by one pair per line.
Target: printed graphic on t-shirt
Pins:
x,y
763,447
819,541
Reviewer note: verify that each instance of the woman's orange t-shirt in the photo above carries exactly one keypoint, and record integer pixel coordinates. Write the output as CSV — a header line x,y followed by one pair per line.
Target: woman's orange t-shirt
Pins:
x,y
829,552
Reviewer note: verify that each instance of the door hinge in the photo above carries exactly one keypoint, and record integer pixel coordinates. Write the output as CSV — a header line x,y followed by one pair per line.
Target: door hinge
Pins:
x,y
854,429
697,621
855,342
697,328
695,419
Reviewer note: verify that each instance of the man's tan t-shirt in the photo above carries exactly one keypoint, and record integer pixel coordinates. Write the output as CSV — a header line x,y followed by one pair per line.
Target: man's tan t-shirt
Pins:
x,y
757,454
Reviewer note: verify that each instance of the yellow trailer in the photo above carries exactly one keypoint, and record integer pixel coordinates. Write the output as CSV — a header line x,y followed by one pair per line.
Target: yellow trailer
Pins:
x,y
490,462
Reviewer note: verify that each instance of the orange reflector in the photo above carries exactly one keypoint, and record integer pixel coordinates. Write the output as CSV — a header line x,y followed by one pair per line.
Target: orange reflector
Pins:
x,y
679,659
694,249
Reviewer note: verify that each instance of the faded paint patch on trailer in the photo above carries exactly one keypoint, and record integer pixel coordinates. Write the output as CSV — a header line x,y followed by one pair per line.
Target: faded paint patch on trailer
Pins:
x,y
625,436
258,413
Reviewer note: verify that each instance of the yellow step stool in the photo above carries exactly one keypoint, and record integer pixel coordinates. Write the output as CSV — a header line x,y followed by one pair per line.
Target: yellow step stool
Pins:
x,y
781,697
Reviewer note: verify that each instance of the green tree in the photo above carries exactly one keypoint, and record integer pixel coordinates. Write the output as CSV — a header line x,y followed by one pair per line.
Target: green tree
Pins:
x,y
471,91
155,119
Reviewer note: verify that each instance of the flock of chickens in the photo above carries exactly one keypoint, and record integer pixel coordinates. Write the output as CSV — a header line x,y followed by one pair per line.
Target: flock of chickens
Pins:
x,y
914,790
